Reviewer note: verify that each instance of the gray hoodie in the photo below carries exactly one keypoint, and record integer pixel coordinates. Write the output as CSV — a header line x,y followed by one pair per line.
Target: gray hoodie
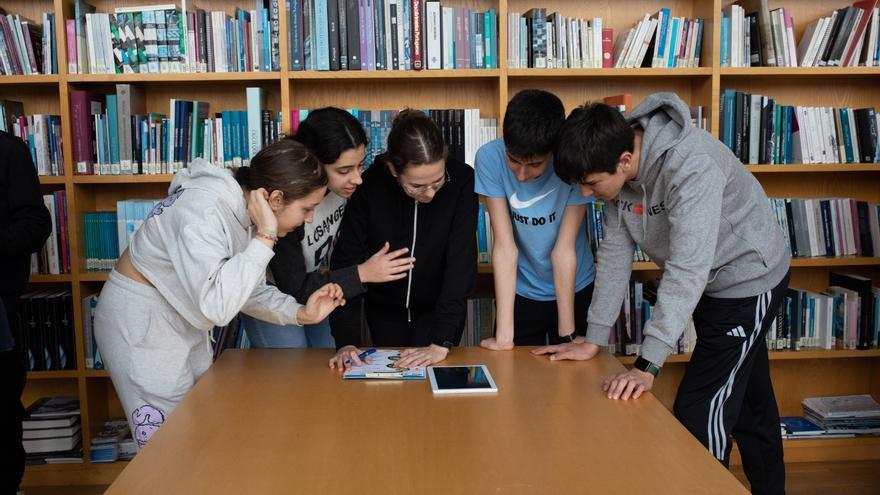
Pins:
x,y
699,214
196,248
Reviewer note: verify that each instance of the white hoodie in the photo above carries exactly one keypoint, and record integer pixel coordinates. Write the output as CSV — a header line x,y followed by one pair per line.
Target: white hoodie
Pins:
x,y
197,250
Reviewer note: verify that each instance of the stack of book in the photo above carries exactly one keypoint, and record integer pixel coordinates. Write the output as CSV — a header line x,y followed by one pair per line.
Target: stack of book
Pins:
x,y
759,129
54,257
26,47
114,134
660,40
390,35
105,446
45,324
464,131
153,39
52,431
848,414
752,35
536,40
41,133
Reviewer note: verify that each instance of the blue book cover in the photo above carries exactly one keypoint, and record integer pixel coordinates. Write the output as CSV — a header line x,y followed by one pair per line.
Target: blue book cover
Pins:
x,y
482,237
663,29
670,63
407,35
699,48
728,116
725,40
113,132
322,35
472,39
799,425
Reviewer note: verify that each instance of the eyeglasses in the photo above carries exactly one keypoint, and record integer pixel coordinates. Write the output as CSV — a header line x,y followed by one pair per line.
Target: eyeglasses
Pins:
x,y
422,189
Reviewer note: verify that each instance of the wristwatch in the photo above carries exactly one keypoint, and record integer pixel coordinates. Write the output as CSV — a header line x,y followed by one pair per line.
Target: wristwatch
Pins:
x,y
571,337
646,366
445,343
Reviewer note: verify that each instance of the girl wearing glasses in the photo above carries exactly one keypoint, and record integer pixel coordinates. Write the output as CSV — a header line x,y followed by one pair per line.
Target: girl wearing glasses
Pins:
x,y
414,196
337,139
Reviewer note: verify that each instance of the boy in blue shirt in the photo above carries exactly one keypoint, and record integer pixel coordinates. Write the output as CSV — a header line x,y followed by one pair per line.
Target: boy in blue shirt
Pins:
x,y
542,266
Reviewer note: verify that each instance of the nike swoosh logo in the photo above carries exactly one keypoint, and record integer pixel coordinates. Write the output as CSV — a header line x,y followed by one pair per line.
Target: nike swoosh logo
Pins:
x,y
519,205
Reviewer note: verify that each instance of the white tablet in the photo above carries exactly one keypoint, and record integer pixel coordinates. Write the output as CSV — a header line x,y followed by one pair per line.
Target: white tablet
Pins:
x,y
461,379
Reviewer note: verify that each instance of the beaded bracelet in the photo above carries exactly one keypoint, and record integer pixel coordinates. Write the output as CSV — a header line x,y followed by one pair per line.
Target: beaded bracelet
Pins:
x,y
269,236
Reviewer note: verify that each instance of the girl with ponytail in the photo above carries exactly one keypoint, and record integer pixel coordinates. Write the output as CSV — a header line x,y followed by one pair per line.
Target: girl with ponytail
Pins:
x,y
199,258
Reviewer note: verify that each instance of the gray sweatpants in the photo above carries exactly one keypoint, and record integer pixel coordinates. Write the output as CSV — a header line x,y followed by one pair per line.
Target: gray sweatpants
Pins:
x,y
153,355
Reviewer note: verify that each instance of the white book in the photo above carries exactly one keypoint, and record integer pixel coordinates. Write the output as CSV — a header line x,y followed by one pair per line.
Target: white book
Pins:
x,y
512,32
754,127
873,26
620,46
790,43
90,44
433,53
819,62
551,59
142,8
401,49
254,120
810,220
638,42
255,42
387,16
661,20
811,40
647,35
107,40
52,241
820,231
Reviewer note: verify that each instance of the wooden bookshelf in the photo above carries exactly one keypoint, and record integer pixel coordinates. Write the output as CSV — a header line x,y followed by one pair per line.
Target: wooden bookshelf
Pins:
x,y
796,374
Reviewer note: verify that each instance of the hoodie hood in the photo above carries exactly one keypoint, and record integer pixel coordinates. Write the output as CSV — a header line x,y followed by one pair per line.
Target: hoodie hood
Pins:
x,y
205,176
665,121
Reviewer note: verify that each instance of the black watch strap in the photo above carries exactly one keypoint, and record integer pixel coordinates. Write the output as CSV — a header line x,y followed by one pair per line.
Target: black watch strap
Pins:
x,y
646,366
445,343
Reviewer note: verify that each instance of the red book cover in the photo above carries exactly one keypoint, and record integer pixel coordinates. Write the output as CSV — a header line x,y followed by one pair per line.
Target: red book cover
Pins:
x,y
867,7
70,25
417,34
84,104
607,47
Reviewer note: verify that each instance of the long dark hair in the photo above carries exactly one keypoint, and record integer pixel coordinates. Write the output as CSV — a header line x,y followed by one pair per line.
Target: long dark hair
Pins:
x,y
286,166
330,131
414,140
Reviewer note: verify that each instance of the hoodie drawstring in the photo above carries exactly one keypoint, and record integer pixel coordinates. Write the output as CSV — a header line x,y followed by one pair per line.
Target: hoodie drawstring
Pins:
x,y
644,212
412,252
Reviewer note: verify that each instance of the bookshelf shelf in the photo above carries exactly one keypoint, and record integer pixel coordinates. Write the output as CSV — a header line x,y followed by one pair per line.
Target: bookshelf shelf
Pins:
x,y
89,373
643,72
35,79
93,276
798,71
174,77
837,261
396,74
52,179
38,375
72,474
800,168
122,179
49,279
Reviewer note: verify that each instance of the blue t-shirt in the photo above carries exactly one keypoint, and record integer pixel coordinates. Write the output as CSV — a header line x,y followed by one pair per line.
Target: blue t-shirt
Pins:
x,y
536,209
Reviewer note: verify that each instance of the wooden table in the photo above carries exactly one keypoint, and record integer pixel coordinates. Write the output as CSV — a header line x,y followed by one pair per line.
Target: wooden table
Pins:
x,y
280,421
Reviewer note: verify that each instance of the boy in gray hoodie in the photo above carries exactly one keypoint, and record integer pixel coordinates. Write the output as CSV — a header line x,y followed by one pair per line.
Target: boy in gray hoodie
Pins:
x,y
682,196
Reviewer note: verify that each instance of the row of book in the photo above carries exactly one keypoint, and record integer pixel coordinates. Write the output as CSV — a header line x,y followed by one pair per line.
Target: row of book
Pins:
x,y
167,39
660,40
54,257
480,321
112,443
52,432
535,40
26,47
594,224
464,131
44,322
114,134
838,318
390,35
752,35
829,226
758,129
42,134
108,233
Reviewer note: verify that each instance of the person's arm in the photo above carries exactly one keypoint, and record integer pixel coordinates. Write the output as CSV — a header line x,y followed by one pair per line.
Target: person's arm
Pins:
x,y
459,279
30,223
612,280
694,211
291,277
350,250
564,261
504,266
